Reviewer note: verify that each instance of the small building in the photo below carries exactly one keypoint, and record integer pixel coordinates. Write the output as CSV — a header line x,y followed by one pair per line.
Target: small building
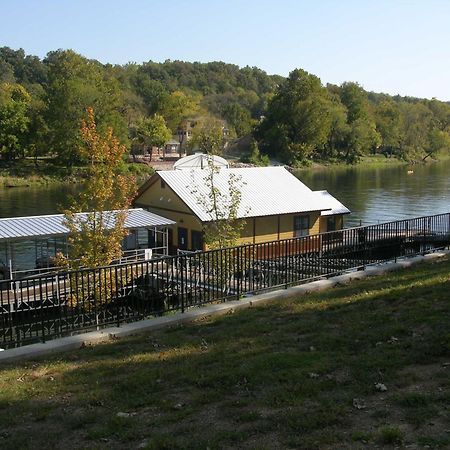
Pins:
x,y
29,243
172,149
274,204
200,161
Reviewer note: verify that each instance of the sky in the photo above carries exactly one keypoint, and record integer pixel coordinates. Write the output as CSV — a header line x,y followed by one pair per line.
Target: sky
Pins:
x,y
391,46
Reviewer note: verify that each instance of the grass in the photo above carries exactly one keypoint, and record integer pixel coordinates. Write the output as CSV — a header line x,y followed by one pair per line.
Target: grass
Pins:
x,y
26,172
285,375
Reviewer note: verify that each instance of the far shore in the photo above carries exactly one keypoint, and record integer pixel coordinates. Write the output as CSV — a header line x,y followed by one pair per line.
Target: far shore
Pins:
x,y
25,174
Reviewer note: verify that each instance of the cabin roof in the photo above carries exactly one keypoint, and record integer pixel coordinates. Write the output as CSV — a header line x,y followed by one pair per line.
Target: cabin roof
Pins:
x,y
265,191
336,206
14,228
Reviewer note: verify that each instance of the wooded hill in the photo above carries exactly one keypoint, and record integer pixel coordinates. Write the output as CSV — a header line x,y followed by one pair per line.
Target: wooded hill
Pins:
x,y
295,119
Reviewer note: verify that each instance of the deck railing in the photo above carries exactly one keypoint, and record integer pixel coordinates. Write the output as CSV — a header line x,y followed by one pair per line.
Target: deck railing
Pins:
x,y
57,304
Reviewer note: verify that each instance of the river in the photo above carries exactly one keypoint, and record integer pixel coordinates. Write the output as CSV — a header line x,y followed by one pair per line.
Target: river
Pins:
x,y
386,193
372,194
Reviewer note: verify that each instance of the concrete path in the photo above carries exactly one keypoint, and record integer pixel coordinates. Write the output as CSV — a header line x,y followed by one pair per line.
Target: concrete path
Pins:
x,y
95,337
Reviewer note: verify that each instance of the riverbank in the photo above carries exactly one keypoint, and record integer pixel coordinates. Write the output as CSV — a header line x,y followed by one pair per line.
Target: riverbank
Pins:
x,y
363,365
375,162
46,172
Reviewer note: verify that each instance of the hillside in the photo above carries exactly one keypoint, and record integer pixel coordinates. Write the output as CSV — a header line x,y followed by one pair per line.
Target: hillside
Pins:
x,y
295,119
359,366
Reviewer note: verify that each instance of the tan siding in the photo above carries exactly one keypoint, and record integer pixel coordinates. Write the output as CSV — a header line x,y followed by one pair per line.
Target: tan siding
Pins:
x,y
165,202
266,229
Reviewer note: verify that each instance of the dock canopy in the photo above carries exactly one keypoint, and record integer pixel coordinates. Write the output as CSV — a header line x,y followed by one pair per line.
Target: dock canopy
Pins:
x,y
18,228
336,206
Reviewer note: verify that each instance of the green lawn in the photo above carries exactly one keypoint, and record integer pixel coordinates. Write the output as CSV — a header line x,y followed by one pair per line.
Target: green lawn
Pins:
x,y
307,373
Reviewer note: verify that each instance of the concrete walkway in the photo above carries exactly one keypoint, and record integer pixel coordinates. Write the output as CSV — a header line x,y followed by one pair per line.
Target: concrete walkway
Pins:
x,y
143,326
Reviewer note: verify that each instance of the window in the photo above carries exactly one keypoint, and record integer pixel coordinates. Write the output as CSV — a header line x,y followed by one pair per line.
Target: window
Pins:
x,y
301,226
197,240
163,184
331,223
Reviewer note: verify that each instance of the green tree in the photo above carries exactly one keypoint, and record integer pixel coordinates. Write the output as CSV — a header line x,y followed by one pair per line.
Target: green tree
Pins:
x,y
178,106
14,120
239,118
95,237
298,119
208,137
151,131
415,125
255,157
75,84
363,136
438,141
387,117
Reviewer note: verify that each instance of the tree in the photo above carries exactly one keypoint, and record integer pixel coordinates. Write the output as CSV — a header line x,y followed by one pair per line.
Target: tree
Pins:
x,y
208,137
178,106
254,157
297,120
14,120
387,117
438,141
95,238
74,84
239,118
222,205
151,131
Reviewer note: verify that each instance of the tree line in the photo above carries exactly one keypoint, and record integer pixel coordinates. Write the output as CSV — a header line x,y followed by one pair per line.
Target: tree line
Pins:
x,y
295,119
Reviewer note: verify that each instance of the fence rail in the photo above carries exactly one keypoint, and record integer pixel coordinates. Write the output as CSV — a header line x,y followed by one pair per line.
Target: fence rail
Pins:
x,y
57,304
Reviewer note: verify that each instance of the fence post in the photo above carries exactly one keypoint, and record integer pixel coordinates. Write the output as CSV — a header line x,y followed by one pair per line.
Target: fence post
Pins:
x,y
41,310
286,270
238,273
182,262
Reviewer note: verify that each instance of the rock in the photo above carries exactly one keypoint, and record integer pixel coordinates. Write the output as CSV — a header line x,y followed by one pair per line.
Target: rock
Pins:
x,y
313,375
178,406
143,444
312,348
380,387
123,414
359,403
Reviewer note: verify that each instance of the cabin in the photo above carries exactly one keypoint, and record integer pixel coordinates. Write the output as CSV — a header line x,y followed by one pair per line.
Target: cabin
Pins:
x,y
274,203
30,244
171,150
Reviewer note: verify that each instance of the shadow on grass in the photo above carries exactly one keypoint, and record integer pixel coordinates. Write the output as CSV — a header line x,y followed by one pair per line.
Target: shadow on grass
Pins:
x,y
259,378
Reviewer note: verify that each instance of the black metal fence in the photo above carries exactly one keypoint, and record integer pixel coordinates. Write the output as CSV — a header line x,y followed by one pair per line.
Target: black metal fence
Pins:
x,y
63,303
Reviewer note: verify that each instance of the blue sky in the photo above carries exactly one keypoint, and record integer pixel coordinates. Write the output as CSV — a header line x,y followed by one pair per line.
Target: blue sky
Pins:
x,y
397,46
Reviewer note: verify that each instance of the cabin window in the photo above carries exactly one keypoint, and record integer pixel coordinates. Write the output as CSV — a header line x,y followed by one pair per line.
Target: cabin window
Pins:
x,y
197,240
331,223
301,226
163,184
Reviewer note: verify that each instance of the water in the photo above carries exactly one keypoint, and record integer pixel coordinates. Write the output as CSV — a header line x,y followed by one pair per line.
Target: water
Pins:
x,y
374,195
383,194
29,201
35,200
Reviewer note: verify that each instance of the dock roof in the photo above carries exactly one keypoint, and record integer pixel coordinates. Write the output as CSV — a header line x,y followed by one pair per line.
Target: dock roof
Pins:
x,y
265,191
336,206
15,228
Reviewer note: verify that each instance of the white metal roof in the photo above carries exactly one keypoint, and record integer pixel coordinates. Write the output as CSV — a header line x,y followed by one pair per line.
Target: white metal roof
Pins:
x,y
199,161
336,206
265,191
52,225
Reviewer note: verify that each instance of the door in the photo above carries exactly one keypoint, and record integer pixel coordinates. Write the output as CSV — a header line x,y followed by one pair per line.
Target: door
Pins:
x,y
182,238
